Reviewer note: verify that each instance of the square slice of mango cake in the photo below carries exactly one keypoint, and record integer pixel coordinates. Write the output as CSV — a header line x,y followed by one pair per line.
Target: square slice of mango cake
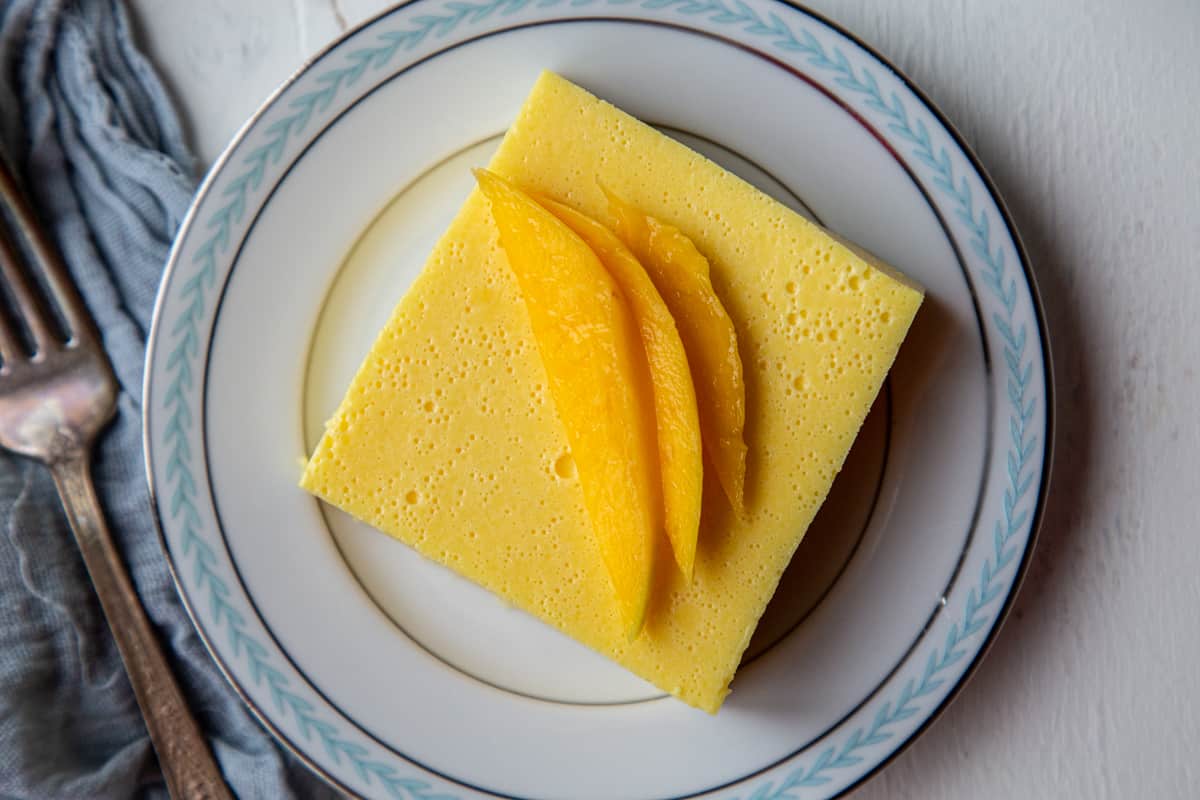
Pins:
x,y
618,392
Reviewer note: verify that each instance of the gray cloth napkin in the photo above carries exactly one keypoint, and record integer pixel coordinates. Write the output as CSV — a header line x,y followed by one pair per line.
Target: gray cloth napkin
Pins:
x,y
86,123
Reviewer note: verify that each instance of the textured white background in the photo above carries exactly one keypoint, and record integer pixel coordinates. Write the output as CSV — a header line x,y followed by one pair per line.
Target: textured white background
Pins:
x,y
1087,115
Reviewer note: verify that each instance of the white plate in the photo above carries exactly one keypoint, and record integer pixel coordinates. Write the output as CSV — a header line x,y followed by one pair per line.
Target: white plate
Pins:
x,y
394,678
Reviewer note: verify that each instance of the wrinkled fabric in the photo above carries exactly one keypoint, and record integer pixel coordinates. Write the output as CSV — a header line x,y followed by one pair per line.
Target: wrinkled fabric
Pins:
x,y
88,127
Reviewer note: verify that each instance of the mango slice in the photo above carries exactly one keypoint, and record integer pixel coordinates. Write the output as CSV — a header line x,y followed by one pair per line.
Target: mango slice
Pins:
x,y
681,274
676,417
589,344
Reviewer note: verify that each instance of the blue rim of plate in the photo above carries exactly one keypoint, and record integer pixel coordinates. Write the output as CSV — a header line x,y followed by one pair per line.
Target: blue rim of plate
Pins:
x,y
1015,533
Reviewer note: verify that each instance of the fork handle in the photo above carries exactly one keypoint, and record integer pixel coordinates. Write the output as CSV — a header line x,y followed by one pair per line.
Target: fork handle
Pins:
x,y
183,754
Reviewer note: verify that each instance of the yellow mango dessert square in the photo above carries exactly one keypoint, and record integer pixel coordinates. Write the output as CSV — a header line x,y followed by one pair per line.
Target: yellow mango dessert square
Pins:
x,y
448,439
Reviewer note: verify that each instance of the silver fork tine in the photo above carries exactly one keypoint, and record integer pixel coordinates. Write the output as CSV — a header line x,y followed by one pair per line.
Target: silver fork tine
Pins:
x,y
10,345
22,292
46,260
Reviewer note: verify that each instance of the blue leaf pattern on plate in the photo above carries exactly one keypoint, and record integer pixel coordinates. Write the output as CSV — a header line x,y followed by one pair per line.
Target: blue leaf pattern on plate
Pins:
x,y
355,760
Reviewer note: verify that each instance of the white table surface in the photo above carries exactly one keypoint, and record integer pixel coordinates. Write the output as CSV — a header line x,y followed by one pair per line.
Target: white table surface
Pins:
x,y
1087,115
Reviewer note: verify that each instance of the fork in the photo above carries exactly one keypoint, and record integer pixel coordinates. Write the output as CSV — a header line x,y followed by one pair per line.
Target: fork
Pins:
x,y
55,396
